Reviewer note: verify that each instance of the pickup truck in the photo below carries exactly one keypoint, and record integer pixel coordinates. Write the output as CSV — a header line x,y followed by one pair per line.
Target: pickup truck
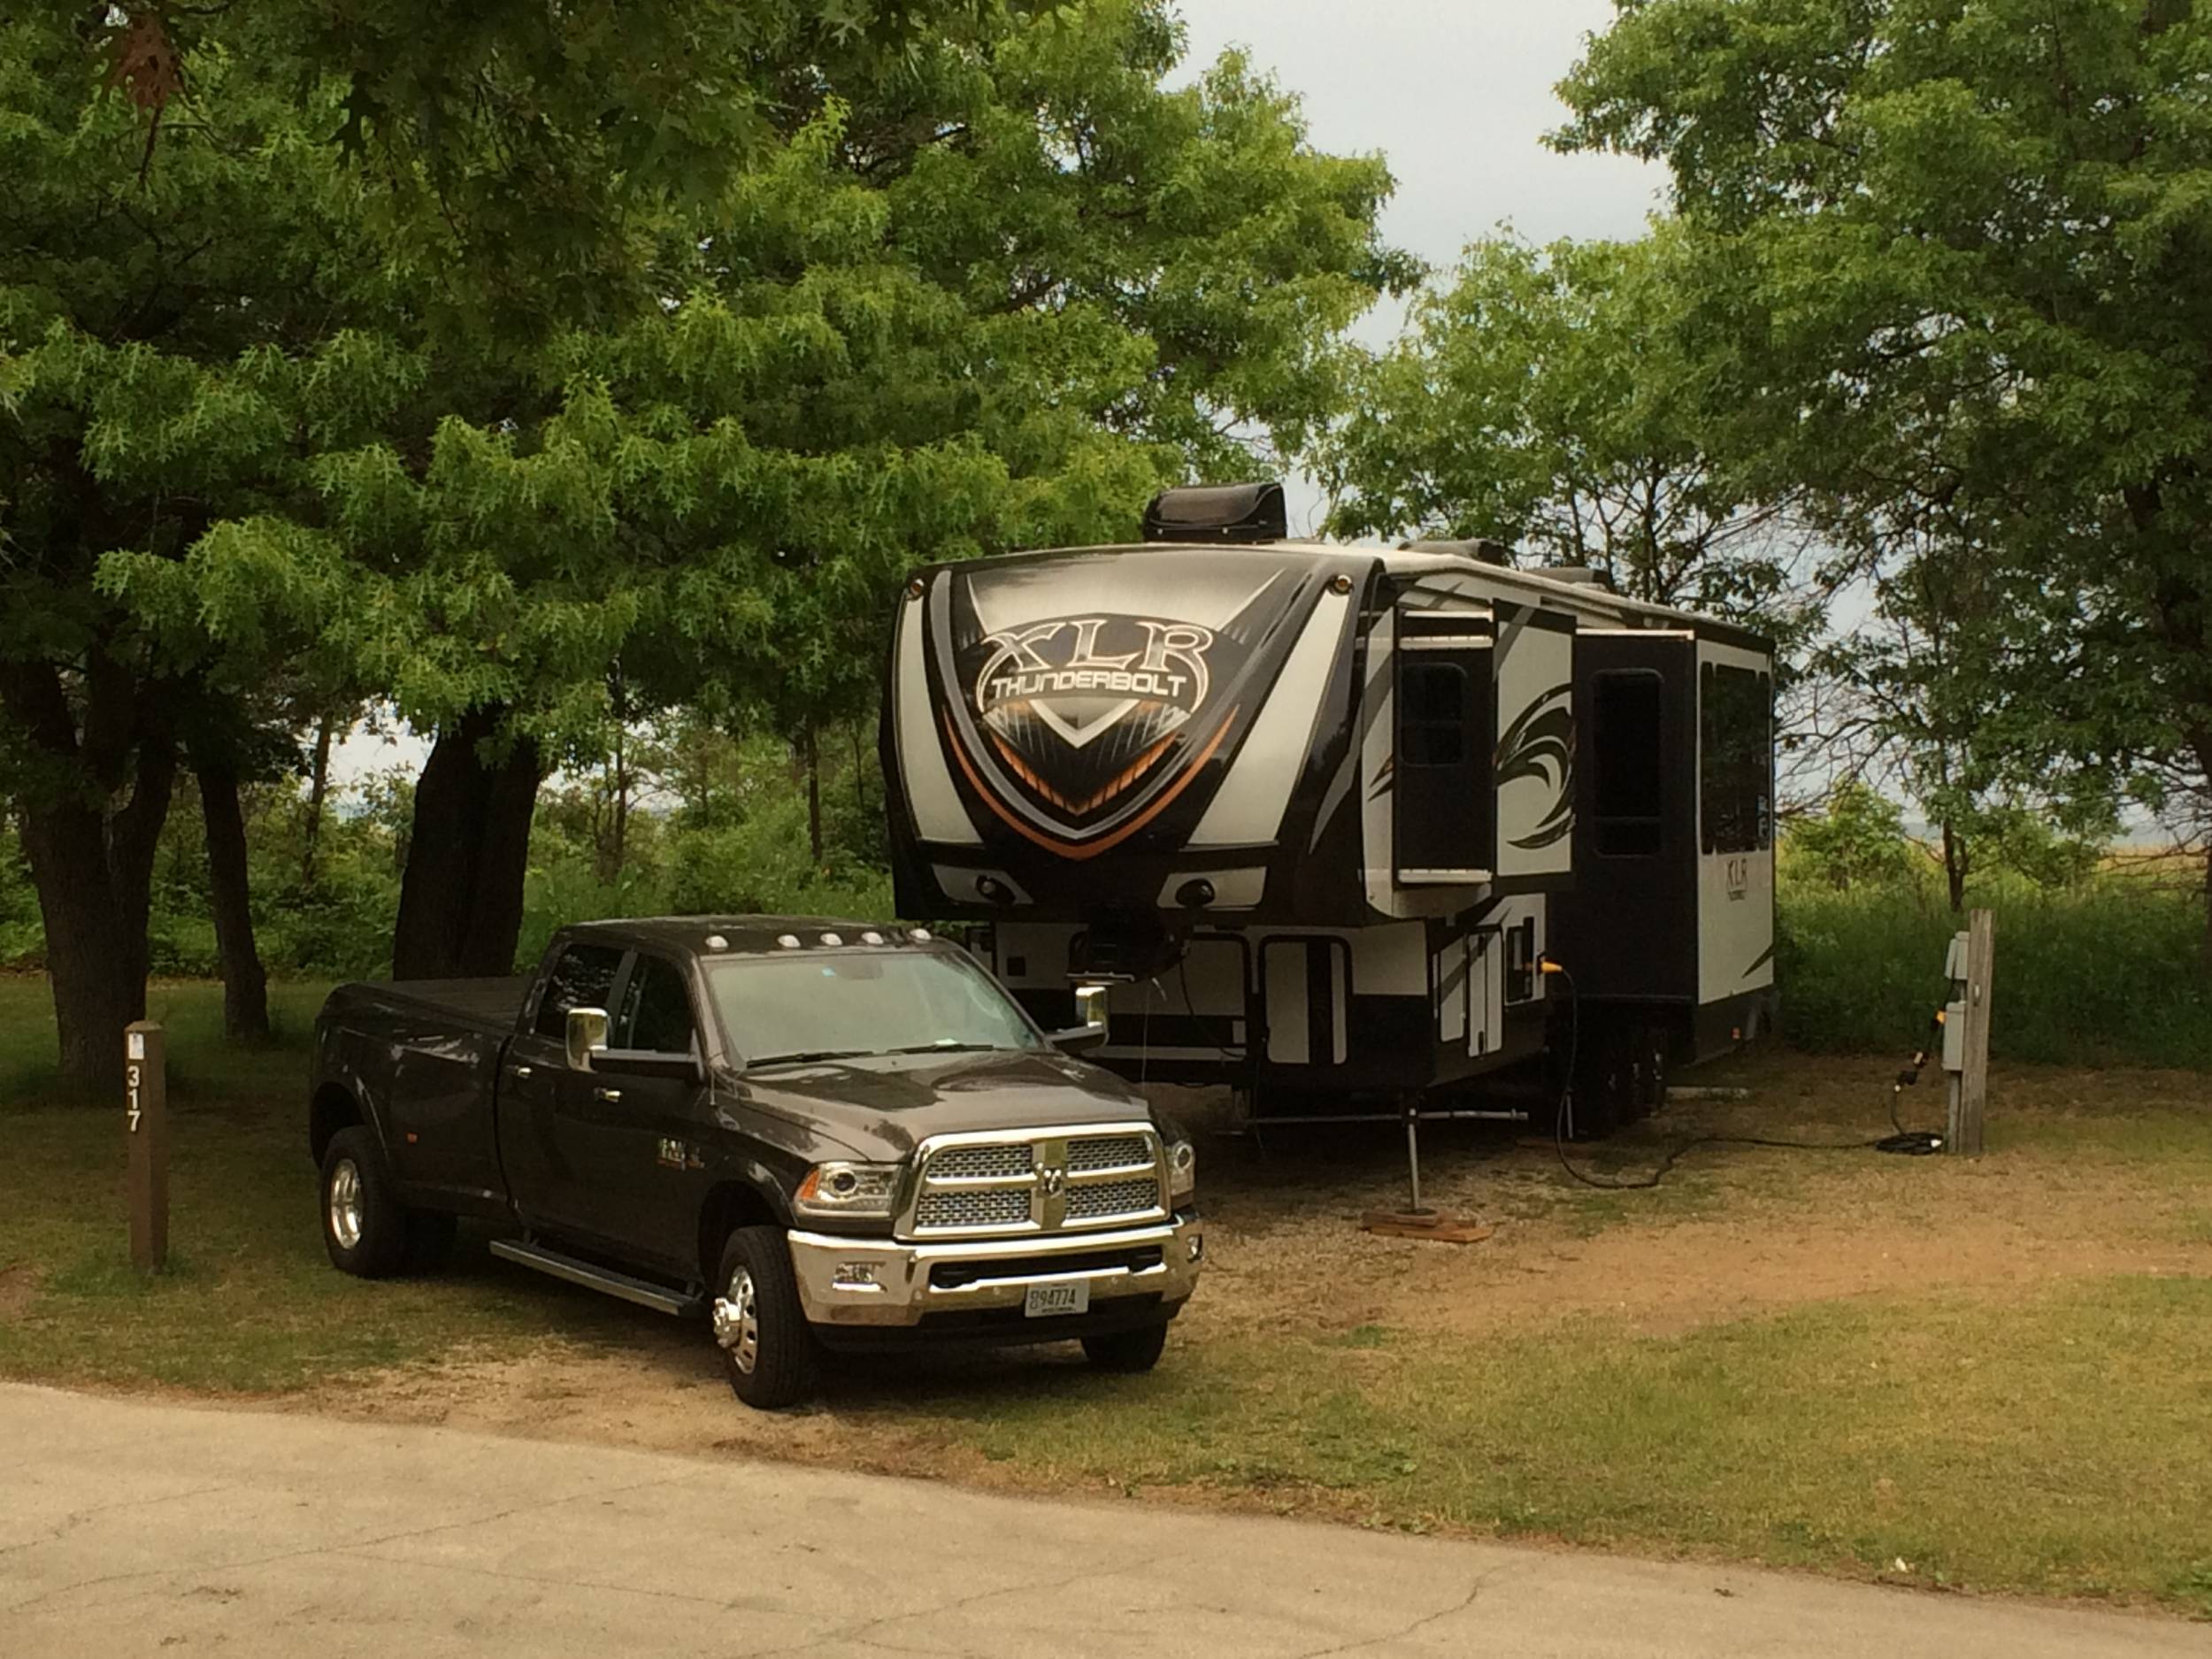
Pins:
x,y
817,1134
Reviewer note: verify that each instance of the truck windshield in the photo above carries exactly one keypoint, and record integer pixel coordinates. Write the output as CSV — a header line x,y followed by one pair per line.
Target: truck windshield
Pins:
x,y
821,1004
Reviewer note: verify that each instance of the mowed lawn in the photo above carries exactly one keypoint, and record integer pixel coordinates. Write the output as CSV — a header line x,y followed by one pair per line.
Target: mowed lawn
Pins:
x,y
1992,1377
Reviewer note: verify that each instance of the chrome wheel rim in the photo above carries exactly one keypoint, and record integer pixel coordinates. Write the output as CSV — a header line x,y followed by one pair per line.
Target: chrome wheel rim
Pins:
x,y
737,1321
345,1204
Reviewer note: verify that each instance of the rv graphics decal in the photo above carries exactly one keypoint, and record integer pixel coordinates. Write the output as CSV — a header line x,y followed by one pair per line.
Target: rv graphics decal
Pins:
x,y
1079,717
1059,671
1540,744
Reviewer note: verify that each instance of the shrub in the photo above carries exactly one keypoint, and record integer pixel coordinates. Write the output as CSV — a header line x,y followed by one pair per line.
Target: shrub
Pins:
x,y
2105,972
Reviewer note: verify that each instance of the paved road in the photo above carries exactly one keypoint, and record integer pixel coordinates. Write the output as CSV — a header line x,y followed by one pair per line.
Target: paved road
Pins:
x,y
134,1528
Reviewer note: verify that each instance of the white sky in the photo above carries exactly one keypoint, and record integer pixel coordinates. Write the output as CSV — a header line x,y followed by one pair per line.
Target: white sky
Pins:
x,y
1455,93
1458,95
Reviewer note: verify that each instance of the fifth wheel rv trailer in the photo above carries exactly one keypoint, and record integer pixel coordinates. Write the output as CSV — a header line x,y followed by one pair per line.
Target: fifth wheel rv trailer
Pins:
x,y
1321,816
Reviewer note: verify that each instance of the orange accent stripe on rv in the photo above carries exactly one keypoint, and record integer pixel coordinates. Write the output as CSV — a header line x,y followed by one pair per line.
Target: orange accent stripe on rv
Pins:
x,y
1089,849
1022,769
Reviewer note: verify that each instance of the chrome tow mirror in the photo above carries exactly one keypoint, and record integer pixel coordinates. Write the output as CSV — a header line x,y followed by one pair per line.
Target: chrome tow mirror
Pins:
x,y
587,1035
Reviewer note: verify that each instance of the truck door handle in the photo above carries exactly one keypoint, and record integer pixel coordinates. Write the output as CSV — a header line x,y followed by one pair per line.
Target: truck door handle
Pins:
x,y
607,1094
522,1071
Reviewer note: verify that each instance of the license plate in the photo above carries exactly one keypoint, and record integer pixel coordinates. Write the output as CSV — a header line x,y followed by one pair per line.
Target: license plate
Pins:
x,y
1046,1300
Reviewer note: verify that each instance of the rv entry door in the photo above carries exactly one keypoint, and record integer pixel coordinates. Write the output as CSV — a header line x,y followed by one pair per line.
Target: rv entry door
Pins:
x,y
1444,802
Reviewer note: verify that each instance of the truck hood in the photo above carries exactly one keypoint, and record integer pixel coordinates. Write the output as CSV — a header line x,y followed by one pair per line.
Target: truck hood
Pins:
x,y
884,1106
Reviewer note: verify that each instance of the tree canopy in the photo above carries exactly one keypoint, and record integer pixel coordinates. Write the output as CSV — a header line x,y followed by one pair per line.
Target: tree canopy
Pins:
x,y
1948,279
531,369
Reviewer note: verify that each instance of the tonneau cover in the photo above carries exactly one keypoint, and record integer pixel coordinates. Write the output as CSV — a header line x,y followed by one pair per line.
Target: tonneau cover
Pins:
x,y
493,1003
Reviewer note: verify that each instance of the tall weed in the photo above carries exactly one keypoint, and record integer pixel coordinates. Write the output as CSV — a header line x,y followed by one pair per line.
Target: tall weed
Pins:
x,y
2105,972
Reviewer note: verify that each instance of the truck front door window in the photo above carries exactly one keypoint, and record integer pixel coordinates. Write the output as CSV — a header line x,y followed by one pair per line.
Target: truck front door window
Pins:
x,y
860,1003
583,976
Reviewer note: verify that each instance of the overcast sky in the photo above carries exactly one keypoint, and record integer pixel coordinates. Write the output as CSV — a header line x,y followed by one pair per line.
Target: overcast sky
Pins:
x,y
1455,93
1458,95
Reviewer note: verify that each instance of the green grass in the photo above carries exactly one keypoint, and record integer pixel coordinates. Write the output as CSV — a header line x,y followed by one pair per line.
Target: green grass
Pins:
x,y
2047,1438
249,1301
2108,974
2054,1443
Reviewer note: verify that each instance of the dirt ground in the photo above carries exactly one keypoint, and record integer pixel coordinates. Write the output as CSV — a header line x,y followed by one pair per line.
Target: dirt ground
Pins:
x,y
1733,1231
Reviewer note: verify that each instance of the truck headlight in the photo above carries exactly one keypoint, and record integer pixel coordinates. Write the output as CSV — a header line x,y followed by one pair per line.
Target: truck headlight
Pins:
x,y
1182,1171
848,1189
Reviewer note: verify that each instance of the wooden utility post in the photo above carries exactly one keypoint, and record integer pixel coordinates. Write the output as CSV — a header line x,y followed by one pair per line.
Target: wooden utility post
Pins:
x,y
146,1129
1972,1095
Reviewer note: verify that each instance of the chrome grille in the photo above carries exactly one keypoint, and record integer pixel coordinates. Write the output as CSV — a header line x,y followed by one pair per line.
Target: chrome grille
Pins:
x,y
1043,1180
1108,1152
1113,1198
987,1207
979,1164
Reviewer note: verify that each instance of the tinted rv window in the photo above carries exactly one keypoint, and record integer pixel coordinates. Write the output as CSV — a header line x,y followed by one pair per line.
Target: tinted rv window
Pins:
x,y
1735,760
1627,755
1433,725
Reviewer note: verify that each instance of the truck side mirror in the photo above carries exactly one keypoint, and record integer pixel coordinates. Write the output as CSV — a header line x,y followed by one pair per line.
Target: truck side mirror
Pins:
x,y
1089,1032
587,1033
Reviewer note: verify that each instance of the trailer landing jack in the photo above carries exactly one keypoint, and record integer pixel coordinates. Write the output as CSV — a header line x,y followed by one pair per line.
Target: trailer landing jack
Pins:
x,y
1417,1221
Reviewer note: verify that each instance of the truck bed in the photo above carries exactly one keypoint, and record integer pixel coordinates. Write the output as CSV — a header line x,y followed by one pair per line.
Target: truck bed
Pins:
x,y
492,1004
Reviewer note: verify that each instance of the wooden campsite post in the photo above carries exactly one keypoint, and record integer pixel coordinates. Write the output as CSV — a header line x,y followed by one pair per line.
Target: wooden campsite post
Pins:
x,y
146,1126
1971,1096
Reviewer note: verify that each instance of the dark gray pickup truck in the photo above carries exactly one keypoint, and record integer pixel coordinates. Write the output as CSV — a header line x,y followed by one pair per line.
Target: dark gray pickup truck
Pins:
x,y
820,1133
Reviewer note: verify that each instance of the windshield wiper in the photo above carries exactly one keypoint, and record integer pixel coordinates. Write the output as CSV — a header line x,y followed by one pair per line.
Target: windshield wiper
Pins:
x,y
802,1056
952,1046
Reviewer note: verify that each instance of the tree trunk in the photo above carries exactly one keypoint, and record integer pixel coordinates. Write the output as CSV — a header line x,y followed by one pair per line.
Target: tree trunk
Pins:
x,y
614,839
813,758
91,858
245,985
94,870
460,899
1953,868
318,792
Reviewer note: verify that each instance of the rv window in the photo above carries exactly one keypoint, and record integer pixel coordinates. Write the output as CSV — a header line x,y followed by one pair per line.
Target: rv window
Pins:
x,y
1433,726
1735,760
1629,823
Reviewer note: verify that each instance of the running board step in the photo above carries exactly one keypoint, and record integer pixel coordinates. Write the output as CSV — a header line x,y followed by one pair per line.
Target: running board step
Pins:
x,y
643,1291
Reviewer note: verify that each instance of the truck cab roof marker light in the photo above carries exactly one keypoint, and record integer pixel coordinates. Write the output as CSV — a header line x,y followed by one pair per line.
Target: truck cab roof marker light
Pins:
x,y
833,939
715,941
789,941
872,937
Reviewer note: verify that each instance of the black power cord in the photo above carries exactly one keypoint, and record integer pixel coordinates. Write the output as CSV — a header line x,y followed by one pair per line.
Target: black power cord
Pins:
x,y
1916,1143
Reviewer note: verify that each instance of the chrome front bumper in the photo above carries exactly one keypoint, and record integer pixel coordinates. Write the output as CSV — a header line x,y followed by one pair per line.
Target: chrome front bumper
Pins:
x,y
883,1282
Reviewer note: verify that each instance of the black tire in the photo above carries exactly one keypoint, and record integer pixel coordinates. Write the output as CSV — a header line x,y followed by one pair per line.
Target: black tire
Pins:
x,y
363,1228
430,1234
1126,1351
767,1346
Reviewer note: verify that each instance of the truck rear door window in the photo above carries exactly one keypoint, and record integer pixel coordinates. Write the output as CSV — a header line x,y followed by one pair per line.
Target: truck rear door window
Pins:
x,y
582,976
656,1012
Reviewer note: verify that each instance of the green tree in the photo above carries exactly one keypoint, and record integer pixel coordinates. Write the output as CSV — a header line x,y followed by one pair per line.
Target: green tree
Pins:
x,y
1544,399
1949,274
993,294
246,247
1857,840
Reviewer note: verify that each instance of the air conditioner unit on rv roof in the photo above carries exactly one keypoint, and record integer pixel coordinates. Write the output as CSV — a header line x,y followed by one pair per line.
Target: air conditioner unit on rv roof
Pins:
x,y
1218,512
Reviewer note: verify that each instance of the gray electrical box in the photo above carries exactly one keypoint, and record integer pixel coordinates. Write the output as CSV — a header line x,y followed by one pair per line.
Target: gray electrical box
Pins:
x,y
1955,960
1954,1037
